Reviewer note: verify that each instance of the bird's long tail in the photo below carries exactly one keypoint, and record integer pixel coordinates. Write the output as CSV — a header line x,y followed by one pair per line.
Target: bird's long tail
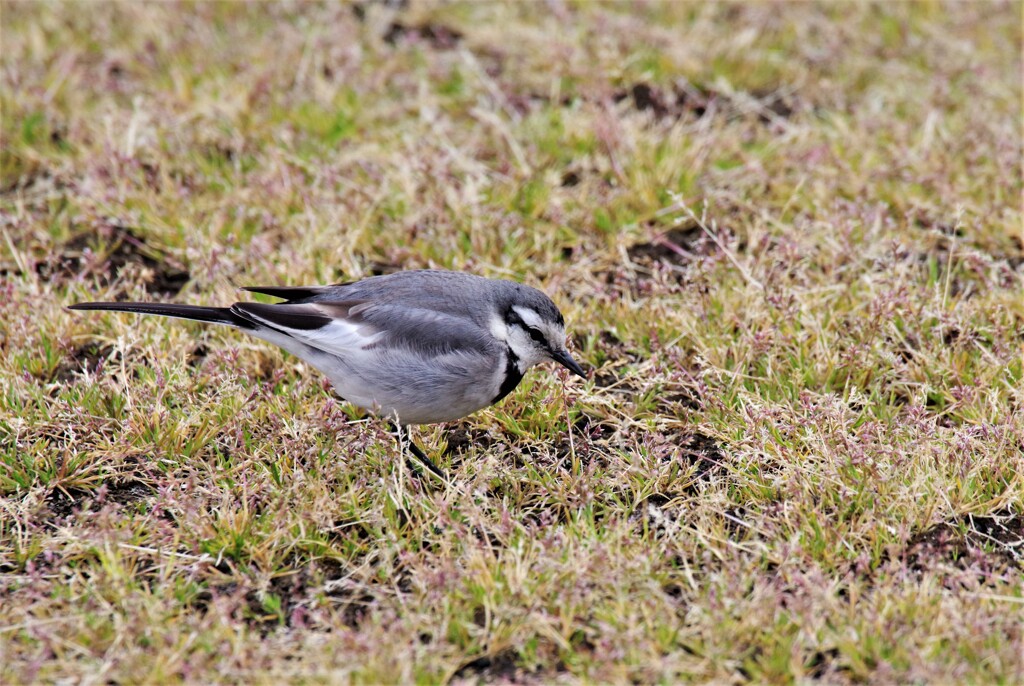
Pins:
x,y
213,315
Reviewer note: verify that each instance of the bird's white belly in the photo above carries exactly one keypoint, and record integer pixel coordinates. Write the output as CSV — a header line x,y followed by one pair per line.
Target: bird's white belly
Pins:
x,y
411,392
420,404
400,384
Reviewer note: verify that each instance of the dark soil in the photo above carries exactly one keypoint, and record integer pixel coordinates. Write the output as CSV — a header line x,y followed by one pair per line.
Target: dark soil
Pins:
x,y
63,503
998,538
679,246
685,99
498,668
116,246
702,453
438,36
89,357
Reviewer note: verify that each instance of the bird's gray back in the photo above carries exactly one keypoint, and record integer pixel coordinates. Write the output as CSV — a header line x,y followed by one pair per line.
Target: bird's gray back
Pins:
x,y
427,289
455,293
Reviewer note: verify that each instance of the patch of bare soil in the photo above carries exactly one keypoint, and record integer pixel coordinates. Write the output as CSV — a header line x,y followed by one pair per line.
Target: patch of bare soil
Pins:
x,y
1015,256
105,252
701,453
593,428
437,36
198,355
287,598
462,438
589,441
355,605
570,178
945,233
498,668
824,663
681,396
701,457
680,245
665,256
666,103
683,99
970,541
89,358
613,375
64,503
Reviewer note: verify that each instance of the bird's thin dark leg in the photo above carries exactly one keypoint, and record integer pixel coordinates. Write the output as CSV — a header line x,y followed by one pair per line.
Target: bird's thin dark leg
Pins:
x,y
416,451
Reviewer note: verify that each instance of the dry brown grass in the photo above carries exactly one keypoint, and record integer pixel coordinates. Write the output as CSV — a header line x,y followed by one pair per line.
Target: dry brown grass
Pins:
x,y
787,237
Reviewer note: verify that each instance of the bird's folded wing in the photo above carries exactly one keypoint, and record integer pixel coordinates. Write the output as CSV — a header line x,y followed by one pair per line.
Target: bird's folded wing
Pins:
x,y
343,328
293,293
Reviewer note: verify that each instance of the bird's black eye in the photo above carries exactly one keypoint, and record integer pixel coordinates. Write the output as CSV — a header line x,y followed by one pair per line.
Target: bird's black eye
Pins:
x,y
512,318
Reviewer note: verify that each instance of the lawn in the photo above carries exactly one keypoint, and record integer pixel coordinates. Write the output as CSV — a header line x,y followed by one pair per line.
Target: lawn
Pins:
x,y
788,242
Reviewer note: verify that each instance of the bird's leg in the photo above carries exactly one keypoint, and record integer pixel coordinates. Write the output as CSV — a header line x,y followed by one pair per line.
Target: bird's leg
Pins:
x,y
422,457
416,451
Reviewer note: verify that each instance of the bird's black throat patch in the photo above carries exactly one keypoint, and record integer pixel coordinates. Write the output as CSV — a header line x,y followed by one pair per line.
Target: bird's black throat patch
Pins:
x,y
512,375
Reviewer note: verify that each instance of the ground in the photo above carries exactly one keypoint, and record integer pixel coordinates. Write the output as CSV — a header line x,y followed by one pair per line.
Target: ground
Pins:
x,y
787,240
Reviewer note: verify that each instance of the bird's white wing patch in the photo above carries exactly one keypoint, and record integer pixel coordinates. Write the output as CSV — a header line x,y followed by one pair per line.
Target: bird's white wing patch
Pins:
x,y
334,330
340,337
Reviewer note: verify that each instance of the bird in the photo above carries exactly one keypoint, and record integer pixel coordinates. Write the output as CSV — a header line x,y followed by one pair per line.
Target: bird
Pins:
x,y
413,347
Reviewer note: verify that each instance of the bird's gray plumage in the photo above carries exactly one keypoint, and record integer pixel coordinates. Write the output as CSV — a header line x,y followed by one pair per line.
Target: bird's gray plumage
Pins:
x,y
427,289
418,346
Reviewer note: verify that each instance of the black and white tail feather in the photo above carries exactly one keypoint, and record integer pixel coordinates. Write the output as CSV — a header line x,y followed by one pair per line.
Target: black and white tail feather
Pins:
x,y
415,347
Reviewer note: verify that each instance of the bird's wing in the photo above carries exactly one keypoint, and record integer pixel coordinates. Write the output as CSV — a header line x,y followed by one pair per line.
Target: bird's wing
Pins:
x,y
344,328
429,289
335,330
292,293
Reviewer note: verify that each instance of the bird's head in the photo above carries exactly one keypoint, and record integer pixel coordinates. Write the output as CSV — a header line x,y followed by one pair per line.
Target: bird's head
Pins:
x,y
534,330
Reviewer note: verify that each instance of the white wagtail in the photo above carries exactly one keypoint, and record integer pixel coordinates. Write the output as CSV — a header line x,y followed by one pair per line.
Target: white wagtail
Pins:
x,y
416,347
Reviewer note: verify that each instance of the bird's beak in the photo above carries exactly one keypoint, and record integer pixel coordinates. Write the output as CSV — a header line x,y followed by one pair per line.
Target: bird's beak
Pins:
x,y
563,358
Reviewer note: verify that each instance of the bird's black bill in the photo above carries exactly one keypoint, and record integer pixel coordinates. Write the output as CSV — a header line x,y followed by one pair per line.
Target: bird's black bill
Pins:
x,y
565,359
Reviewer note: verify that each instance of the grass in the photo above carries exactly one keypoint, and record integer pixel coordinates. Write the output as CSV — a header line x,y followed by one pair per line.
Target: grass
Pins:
x,y
787,239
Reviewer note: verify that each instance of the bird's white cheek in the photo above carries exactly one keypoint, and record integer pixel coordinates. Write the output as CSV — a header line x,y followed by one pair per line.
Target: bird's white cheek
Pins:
x,y
525,349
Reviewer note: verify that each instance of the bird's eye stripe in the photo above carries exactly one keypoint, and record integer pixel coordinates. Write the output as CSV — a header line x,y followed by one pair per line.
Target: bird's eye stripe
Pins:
x,y
537,336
